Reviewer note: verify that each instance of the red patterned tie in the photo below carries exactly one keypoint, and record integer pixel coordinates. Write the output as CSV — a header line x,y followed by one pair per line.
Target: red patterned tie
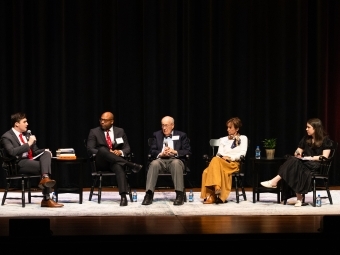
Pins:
x,y
108,139
30,151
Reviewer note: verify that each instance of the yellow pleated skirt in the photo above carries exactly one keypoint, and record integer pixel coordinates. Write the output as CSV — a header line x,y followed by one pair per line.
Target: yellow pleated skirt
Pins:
x,y
219,172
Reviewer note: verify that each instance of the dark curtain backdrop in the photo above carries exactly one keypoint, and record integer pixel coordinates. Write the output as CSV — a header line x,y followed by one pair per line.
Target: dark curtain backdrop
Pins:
x,y
273,63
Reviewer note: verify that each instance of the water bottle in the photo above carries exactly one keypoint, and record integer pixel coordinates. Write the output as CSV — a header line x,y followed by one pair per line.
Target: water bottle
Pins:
x,y
318,201
257,152
134,196
53,196
191,196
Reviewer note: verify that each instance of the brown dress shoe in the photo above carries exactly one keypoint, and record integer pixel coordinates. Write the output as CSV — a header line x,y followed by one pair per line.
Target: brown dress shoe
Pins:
x,y
46,182
210,199
50,203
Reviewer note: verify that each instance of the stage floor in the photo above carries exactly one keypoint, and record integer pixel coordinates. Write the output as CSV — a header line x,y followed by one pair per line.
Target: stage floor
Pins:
x,y
176,225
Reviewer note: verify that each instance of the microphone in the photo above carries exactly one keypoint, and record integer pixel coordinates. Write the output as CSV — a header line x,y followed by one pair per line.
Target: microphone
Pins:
x,y
166,144
28,134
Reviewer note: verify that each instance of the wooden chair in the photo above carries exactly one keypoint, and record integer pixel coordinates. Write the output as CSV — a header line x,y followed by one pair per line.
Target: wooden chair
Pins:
x,y
10,167
97,176
237,176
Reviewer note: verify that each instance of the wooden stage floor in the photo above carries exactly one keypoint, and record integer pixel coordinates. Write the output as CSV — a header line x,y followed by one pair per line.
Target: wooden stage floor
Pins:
x,y
182,227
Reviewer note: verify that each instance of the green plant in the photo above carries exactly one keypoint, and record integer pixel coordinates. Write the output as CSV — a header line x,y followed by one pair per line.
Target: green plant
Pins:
x,y
269,143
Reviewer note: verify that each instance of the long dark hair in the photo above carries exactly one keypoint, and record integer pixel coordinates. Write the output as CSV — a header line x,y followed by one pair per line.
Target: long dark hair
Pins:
x,y
319,134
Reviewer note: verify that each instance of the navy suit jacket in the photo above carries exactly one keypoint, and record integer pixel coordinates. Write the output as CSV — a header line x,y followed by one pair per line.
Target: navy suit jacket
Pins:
x,y
182,145
11,144
96,139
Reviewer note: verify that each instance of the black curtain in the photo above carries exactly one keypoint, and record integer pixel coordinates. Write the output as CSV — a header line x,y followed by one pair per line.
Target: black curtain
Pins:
x,y
273,63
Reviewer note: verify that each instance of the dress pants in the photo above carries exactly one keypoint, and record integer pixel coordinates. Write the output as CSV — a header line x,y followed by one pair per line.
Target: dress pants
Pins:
x,y
41,165
105,160
173,165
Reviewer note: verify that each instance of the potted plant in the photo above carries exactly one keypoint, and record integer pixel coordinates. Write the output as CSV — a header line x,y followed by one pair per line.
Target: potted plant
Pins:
x,y
269,144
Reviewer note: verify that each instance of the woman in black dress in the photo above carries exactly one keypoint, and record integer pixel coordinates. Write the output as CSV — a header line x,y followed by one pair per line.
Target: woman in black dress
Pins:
x,y
297,169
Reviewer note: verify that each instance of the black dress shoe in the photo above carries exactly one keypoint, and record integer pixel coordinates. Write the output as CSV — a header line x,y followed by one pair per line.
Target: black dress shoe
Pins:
x,y
179,198
147,199
123,201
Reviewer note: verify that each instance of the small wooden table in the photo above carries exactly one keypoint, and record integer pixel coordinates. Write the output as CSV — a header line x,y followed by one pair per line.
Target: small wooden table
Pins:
x,y
258,166
58,163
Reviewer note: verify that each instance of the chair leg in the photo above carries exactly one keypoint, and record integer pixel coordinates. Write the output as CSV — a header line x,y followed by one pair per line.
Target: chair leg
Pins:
x,y
236,189
243,191
92,188
185,195
314,192
129,188
23,192
5,193
29,189
328,192
100,188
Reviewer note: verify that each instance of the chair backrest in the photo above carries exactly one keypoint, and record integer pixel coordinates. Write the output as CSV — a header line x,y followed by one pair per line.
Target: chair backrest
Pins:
x,y
214,143
91,158
9,164
326,163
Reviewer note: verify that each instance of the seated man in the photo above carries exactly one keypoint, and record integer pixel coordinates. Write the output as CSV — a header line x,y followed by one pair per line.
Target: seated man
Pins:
x,y
18,143
170,148
109,143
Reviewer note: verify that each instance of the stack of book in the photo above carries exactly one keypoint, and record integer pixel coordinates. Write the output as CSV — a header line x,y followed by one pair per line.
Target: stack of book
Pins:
x,y
67,154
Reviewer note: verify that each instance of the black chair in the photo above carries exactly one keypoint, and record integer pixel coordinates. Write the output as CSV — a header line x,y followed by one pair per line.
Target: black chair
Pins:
x,y
97,176
321,176
10,167
186,171
237,176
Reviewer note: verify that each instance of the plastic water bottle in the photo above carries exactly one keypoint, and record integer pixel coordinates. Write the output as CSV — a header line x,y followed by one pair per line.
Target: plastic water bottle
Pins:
x,y
134,196
191,196
53,196
318,201
257,152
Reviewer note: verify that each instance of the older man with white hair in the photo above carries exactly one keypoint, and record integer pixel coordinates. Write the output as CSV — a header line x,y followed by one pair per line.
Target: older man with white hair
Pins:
x,y
168,150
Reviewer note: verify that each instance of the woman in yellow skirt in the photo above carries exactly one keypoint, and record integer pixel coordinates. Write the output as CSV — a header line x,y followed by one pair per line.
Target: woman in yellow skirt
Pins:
x,y
216,178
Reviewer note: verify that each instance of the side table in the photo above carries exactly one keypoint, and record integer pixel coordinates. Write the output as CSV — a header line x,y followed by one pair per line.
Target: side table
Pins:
x,y
56,174
257,168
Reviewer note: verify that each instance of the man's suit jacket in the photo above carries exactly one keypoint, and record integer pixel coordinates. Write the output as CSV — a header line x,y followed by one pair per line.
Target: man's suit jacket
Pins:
x,y
181,145
11,144
96,139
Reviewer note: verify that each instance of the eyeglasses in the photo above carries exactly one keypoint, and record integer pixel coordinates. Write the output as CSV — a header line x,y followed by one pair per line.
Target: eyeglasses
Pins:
x,y
166,125
105,120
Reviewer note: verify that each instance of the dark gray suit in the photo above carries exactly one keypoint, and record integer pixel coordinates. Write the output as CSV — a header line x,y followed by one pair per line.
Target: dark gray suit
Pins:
x,y
96,144
41,165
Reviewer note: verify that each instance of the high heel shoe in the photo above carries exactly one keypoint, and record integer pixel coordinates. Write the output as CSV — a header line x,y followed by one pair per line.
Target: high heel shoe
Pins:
x,y
210,200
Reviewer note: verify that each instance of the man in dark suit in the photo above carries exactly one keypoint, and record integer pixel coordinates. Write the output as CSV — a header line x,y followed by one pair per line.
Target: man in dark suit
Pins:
x,y
110,145
169,150
18,143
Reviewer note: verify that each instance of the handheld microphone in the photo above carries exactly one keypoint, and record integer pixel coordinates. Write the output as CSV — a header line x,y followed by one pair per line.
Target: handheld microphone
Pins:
x,y
28,134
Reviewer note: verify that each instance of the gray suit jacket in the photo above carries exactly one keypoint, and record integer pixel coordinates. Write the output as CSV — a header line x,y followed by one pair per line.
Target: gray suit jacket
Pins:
x,y
96,139
11,144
